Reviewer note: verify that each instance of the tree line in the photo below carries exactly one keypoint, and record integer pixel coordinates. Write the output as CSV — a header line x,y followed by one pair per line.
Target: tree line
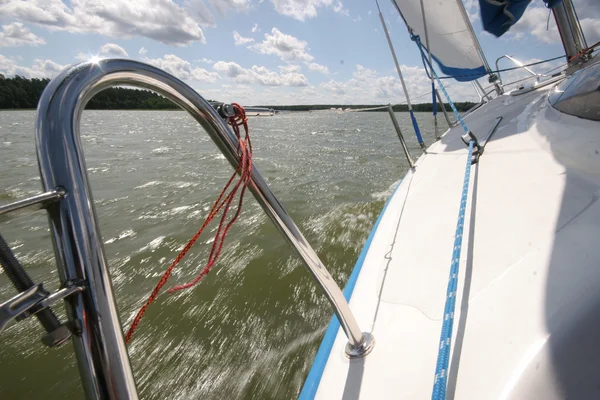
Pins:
x,y
20,92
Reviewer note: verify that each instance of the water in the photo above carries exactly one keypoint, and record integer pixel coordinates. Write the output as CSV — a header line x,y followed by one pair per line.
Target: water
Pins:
x,y
251,328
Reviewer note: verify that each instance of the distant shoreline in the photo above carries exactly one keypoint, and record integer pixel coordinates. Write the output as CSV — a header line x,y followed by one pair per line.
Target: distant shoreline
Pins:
x,y
20,93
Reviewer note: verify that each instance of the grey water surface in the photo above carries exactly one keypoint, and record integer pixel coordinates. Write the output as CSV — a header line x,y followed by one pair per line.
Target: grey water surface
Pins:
x,y
251,328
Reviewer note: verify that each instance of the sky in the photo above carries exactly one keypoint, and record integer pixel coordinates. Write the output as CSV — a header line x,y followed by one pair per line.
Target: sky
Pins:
x,y
263,52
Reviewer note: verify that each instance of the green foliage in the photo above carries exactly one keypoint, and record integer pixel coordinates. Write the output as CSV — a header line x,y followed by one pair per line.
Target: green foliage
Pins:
x,y
19,92
129,99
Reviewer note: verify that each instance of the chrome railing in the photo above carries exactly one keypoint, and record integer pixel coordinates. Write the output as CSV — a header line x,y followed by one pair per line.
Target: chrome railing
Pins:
x,y
409,159
97,332
516,62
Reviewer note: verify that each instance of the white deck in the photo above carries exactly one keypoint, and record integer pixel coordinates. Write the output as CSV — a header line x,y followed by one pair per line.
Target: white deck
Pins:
x,y
529,272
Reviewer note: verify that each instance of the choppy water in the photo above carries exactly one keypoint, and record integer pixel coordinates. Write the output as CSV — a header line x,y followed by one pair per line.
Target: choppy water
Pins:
x,y
252,327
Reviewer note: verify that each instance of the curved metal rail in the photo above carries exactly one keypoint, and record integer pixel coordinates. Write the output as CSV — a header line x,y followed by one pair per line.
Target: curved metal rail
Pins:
x,y
516,62
99,345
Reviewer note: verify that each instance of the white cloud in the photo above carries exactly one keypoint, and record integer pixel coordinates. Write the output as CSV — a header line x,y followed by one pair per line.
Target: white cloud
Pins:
x,y
535,19
83,57
260,75
338,7
366,86
472,9
182,69
534,22
302,9
318,68
111,49
233,70
255,28
223,6
161,20
15,34
591,29
369,87
143,51
206,60
286,47
289,68
106,51
199,12
587,8
39,69
334,87
239,39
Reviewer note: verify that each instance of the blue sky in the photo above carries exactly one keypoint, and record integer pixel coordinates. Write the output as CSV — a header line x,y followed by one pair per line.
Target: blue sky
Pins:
x,y
259,51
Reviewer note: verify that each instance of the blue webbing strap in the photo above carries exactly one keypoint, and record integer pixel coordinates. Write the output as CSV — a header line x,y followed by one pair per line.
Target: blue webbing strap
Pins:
x,y
434,99
443,358
416,126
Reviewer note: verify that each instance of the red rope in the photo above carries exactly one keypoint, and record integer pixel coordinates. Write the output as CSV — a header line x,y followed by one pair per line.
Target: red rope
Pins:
x,y
224,202
585,51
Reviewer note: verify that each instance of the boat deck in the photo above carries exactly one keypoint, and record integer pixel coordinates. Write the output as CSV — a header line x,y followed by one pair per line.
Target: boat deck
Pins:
x,y
529,279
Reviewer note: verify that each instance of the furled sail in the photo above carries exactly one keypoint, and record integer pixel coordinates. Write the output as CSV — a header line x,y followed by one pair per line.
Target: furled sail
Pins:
x,y
453,44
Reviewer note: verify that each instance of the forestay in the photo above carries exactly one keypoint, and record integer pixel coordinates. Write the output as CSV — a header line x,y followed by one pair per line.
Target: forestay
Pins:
x,y
453,46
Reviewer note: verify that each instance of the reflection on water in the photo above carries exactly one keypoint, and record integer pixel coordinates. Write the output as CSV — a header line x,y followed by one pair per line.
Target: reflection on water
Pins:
x,y
253,326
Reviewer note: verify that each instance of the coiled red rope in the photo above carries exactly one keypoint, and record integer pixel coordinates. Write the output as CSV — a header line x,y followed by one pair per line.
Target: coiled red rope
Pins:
x,y
223,202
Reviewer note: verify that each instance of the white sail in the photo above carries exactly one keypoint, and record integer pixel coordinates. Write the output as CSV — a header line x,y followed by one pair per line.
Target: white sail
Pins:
x,y
453,44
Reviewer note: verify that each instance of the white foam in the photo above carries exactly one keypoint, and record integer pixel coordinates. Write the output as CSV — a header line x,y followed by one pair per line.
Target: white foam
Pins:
x,y
386,193
148,184
122,235
161,150
179,210
153,245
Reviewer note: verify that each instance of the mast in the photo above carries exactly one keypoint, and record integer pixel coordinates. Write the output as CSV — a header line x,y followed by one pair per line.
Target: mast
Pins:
x,y
569,28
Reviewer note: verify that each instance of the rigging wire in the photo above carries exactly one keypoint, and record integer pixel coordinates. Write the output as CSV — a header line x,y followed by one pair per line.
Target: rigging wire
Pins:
x,y
404,88
425,94
505,69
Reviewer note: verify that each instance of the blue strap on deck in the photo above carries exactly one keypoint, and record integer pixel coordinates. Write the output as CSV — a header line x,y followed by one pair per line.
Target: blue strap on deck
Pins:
x,y
434,99
416,126
443,358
